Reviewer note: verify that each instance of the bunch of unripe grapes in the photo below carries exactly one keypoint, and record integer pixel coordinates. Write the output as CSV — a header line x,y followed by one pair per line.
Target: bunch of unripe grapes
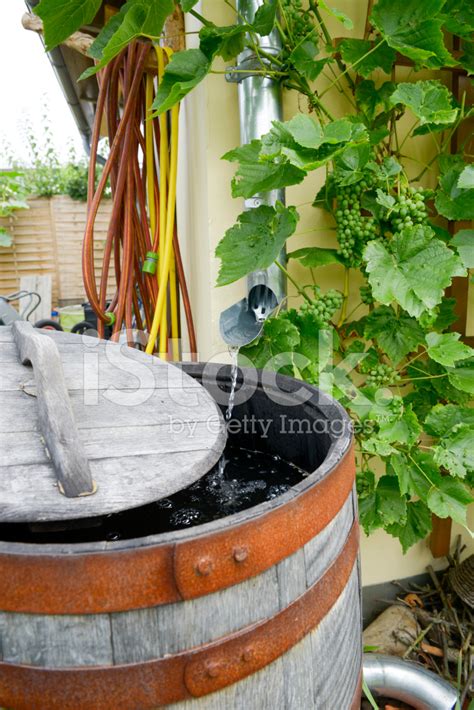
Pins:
x,y
409,209
366,295
324,307
298,19
354,230
382,375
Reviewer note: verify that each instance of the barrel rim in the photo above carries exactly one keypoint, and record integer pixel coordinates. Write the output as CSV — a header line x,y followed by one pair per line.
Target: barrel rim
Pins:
x,y
336,454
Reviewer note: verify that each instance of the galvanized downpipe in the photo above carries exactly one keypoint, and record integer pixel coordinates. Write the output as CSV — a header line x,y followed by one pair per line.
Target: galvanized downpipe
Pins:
x,y
260,103
401,680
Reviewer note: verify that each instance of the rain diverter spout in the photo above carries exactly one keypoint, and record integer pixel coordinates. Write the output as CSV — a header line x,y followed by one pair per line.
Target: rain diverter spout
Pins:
x,y
259,105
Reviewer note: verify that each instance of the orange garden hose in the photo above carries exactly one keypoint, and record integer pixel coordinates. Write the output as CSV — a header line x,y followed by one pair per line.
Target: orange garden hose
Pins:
x,y
141,168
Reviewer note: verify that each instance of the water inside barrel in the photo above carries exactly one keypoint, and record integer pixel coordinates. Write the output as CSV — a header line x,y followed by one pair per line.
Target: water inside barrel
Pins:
x,y
243,479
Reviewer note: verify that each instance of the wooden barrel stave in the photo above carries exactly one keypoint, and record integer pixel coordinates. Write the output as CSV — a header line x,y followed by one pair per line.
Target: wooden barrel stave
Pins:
x,y
144,634
126,660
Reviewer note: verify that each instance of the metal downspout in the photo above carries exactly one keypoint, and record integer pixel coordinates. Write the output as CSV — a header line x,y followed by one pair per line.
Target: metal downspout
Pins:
x,y
260,103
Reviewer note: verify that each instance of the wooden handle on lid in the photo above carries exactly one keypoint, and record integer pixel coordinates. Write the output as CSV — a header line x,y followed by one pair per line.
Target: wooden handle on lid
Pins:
x,y
56,417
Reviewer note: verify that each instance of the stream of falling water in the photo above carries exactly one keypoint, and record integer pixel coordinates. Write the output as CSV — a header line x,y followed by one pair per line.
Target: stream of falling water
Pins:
x,y
234,371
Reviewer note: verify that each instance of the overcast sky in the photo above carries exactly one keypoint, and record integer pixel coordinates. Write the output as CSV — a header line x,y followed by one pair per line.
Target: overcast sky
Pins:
x,y
28,83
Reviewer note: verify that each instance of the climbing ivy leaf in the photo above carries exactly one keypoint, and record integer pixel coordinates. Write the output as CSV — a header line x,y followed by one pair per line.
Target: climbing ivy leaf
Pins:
x,y
312,257
413,28
415,527
397,334
365,56
450,499
255,241
413,269
184,71
430,101
452,201
447,349
61,19
140,18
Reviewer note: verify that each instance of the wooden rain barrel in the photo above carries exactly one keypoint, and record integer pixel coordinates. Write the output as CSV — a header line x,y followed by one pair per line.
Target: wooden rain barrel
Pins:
x,y
256,611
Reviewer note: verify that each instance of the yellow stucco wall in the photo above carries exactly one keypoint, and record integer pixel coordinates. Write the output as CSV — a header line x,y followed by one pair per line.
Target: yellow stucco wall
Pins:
x,y
209,128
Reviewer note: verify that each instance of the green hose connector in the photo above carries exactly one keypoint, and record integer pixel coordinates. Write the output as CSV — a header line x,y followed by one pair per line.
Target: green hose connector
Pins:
x,y
150,263
111,317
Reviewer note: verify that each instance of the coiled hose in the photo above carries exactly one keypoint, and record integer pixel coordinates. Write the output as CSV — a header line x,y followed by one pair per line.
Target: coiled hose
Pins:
x,y
142,169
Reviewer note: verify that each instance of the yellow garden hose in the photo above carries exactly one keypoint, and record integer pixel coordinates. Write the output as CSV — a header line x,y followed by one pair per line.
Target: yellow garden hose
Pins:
x,y
167,217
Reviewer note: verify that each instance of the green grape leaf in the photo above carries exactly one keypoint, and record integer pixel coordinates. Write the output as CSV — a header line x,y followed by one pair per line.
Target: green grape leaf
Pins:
x,y
464,243
466,60
264,20
391,506
452,201
405,430
312,257
415,527
303,57
140,18
368,514
350,164
188,5
337,14
365,56
397,334
384,200
226,42
377,447
185,71
466,178
445,314
455,451
255,241
96,49
459,17
5,238
462,376
279,335
430,101
443,418
447,349
252,178
417,474
449,499
413,28
413,269
63,17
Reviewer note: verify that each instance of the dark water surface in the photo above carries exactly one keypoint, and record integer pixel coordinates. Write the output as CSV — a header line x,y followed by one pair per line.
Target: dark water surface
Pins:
x,y
242,480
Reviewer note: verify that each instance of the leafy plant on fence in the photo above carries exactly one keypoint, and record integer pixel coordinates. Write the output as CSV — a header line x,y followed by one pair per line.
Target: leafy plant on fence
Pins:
x,y
399,368
12,198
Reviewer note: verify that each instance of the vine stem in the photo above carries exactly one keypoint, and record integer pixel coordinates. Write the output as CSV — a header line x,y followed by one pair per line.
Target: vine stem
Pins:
x,y
345,294
328,38
292,280
351,66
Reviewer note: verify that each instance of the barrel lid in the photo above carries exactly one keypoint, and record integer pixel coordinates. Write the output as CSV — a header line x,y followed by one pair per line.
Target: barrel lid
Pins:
x,y
90,427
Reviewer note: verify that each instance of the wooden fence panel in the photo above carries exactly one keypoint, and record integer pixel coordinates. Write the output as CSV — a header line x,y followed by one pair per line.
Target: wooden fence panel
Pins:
x,y
47,239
